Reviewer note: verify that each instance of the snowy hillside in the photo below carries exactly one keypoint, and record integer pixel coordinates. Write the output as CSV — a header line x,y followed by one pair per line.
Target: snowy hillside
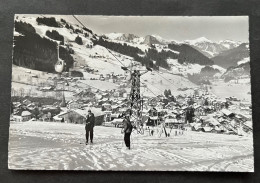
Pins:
x,y
233,56
102,62
243,61
69,35
211,48
131,38
177,68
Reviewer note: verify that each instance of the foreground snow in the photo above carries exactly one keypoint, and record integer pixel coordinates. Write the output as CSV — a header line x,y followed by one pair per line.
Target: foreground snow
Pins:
x,y
49,146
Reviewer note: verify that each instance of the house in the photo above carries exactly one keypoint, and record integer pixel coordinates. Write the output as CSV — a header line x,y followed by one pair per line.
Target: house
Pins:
x,y
61,117
17,118
199,110
26,115
106,106
26,102
172,121
227,113
78,116
107,116
70,116
74,105
115,108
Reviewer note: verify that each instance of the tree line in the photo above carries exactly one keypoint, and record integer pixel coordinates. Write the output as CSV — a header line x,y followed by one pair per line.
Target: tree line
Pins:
x,y
189,54
36,52
203,77
150,58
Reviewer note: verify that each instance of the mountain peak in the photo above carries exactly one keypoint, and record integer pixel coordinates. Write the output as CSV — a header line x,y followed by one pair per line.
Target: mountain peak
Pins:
x,y
202,39
198,40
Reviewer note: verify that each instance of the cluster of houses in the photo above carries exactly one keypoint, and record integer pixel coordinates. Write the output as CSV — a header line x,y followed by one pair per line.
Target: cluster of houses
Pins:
x,y
26,110
208,113
199,112
118,78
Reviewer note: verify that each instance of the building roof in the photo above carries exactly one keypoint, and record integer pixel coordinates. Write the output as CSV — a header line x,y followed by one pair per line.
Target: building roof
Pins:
x,y
26,113
171,120
226,112
118,120
61,114
84,112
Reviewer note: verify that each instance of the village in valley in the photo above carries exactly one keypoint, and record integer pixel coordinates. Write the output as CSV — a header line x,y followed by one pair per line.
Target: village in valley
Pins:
x,y
174,108
229,115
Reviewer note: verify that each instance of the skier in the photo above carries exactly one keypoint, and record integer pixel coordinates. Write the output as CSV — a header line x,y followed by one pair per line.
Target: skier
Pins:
x,y
127,130
189,114
90,123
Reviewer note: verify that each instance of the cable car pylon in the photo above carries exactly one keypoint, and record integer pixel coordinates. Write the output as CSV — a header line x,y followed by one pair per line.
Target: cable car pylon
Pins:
x,y
135,100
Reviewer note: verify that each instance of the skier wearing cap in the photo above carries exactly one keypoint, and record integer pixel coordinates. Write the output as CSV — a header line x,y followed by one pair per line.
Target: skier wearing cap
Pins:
x,y
90,123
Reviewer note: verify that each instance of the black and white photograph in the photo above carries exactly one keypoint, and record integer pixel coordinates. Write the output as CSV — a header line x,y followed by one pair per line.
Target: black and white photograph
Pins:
x,y
138,93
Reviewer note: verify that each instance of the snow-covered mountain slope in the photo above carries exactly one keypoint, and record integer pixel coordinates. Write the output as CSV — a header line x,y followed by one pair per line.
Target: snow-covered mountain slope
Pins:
x,y
41,29
202,44
231,57
125,37
154,39
238,72
229,44
197,41
211,48
185,69
148,40
102,62
243,61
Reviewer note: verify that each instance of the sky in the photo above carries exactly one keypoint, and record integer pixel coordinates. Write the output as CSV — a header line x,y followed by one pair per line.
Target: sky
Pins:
x,y
177,28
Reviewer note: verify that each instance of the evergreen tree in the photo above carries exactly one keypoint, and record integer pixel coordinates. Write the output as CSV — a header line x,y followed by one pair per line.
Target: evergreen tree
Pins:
x,y
63,102
166,94
78,40
169,92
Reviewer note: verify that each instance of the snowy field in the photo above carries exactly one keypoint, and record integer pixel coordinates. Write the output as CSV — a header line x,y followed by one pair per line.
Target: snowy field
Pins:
x,y
240,90
51,146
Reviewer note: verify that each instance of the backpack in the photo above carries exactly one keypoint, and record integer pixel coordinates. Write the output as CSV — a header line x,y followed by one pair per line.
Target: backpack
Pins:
x,y
129,127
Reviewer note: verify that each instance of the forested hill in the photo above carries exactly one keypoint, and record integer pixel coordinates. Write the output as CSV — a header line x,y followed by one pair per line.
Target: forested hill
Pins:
x,y
184,53
189,54
36,46
233,56
36,52
146,58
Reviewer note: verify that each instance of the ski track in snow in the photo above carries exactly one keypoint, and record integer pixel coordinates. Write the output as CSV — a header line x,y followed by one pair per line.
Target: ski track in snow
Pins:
x,y
49,146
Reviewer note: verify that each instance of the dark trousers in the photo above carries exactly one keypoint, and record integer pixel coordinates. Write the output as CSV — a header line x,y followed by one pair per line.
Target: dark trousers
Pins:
x,y
127,139
89,131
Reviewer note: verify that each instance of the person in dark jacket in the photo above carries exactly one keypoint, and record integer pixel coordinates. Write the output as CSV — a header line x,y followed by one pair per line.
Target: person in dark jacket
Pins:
x,y
189,114
127,130
90,123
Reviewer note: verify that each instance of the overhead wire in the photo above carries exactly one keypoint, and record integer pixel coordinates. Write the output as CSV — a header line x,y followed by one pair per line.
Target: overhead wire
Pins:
x,y
116,58
104,47
165,78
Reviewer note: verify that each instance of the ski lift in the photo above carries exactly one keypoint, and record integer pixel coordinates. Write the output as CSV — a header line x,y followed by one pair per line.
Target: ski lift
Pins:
x,y
59,66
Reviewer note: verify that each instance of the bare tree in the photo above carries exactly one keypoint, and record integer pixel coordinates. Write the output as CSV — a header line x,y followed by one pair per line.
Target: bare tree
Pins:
x,y
13,92
29,91
21,92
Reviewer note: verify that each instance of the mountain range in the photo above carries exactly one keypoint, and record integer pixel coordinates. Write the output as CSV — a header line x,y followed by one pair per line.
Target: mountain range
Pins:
x,y
150,50
207,47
